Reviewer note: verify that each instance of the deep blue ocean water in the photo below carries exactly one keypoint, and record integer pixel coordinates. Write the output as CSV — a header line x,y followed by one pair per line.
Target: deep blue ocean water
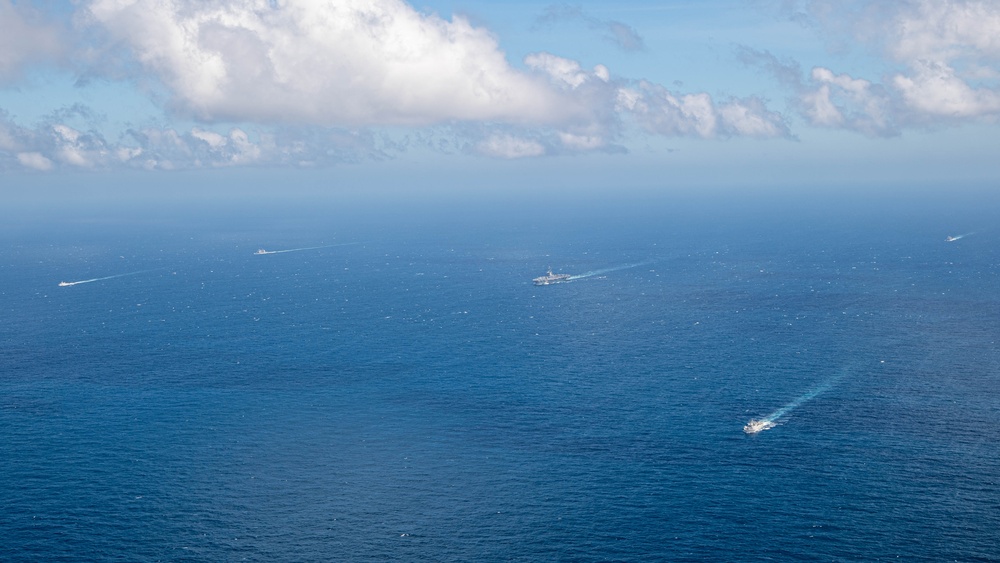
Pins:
x,y
409,395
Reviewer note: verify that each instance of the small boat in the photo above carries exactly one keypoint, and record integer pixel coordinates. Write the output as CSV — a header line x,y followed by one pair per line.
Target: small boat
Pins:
x,y
64,284
757,425
550,278
262,251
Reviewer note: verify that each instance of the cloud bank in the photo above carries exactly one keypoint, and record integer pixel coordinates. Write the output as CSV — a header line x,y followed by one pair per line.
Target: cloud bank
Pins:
x,y
944,57
53,145
354,63
303,83
301,72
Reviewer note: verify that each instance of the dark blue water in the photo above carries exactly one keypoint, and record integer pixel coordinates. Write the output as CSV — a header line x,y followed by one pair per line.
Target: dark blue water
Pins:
x,y
413,397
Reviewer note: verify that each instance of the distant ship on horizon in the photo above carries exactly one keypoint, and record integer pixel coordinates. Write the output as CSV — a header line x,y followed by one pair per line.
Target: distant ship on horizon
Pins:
x,y
549,278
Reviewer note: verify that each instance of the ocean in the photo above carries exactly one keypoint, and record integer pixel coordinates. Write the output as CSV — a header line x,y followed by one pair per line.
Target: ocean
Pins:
x,y
393,387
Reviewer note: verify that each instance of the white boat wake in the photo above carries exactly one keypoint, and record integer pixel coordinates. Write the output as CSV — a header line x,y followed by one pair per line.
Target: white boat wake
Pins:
x,y
262,251
67,284
957,237
607,270
756,425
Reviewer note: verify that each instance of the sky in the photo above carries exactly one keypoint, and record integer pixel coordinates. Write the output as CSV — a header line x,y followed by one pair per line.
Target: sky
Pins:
x,y
633,92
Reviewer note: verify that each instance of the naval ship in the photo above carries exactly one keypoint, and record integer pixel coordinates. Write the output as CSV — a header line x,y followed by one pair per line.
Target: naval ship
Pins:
x,y
758,425
550,278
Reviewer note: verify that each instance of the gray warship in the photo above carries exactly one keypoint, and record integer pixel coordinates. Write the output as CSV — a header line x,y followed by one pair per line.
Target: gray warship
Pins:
x,y
549,278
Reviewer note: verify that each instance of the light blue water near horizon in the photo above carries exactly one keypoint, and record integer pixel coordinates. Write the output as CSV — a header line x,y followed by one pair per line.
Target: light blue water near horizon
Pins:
x,y
412,396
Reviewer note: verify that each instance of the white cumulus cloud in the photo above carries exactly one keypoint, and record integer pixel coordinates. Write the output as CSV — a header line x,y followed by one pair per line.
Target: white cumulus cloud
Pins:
x,y
838,100
304,82
950,46
370,63
945,30
659,110
935,89
563,71
943,59
350,62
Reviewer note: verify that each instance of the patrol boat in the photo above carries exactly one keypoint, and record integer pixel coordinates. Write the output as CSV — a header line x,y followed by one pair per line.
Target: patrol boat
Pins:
x,y
757,425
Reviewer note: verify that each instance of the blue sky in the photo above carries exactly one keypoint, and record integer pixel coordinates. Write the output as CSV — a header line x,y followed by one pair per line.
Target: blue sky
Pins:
x,y
785,92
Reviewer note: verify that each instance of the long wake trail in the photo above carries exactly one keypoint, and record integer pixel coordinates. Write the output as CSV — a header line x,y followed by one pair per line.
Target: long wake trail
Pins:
x,y
67,284
607,270
760,424
262,251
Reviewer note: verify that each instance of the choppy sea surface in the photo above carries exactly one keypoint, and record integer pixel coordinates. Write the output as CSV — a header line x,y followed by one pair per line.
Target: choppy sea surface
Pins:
x,y
399,390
